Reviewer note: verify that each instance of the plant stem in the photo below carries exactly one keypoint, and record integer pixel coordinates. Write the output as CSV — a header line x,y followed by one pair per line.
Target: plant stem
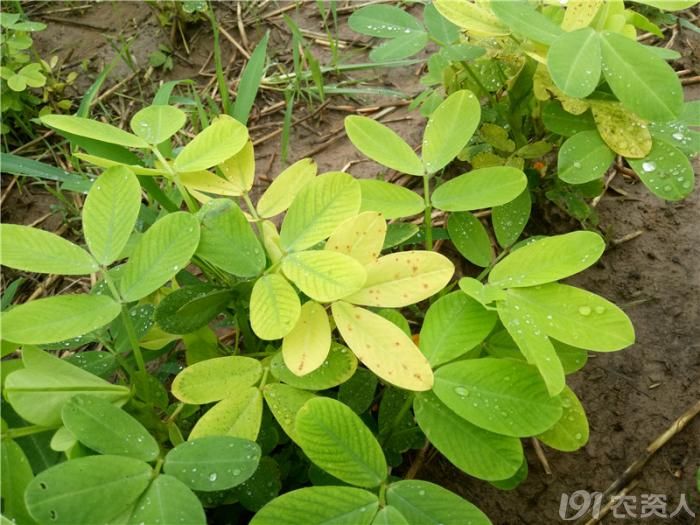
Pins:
x,y
14,433
256,218
188,199
486,270
428,221
133,341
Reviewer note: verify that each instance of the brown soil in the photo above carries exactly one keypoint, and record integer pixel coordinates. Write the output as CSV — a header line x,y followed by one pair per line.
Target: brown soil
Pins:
x,y
630,397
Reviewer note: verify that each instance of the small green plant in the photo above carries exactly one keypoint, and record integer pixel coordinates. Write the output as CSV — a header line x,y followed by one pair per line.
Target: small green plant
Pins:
x,y
319,387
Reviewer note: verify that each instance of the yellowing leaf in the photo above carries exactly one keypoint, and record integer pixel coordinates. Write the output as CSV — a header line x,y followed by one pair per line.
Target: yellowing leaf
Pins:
x,y
306,347
624,132
383,347
220,141
404,278
579,13
237,416
108,163
239,170
274,307
324,275
216,379
360,237
210,183
472,17
271,241
285,187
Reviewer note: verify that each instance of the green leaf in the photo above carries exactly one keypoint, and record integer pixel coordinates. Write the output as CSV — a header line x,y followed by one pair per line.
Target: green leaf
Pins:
x,y
338,365
574,61
472,17
39,390
318,209
449,128
570,433
107,429
500,395
213,463
110,213
92,129
262,487
92,489
438,26
156,124
228,241
548,259
453,325
385,21
525,20
666,171
389,515
285,402
16,473
336,439
238,416
358,391
470,238
577,317
33,250
164,250
250,81
404,278
391,200
216,379
643,82
280,194
423,502
274,307
401,47
306,347
473,450
584,158
320,506
509,219
383,347
220,141
324,275
57,318
532,342
190,308
482,188
381,144
558,120
168,500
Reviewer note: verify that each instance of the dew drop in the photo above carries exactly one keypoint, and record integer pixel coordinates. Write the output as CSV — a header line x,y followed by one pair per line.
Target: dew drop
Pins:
x,y
584,310
649,166
599,309
212,476
461,391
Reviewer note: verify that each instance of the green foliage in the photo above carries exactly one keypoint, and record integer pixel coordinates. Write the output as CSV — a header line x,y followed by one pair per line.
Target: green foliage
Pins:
x,y
304,361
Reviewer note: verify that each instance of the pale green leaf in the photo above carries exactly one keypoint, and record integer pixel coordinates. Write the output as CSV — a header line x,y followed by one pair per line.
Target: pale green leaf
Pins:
x,y
666,171
216,379
318,209
642,81
558,120
220,141
470,238
360,237
577,317
584,158
391,200
280,194
324,275
473,450
402,46
574,62
207,182
156,124
383,20
570,433
403,278
108,163
320,506
453,325
382,145
339,366
449,128
306,347
389,515
57,318
525,20
274,307
336,439
110,213
383,347
239,170
33,250
167,500
500,395
285,402
471,16
548,259
164,250
15,474
238,416
92,129
478,189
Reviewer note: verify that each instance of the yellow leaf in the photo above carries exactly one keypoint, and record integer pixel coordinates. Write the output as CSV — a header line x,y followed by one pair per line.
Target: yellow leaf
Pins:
x,y
383,347
239,170
580,13
472,17
306,347
403,278
624,132
360,237
274,307
280,194
271,241
209,183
